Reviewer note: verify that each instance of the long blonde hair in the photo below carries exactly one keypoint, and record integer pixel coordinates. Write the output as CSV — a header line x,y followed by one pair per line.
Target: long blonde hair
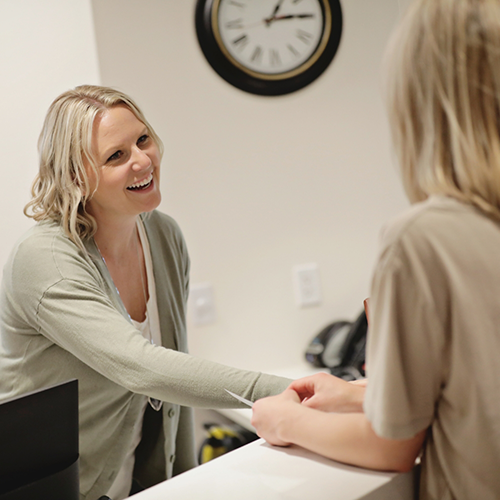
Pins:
x,y
444,100
61,188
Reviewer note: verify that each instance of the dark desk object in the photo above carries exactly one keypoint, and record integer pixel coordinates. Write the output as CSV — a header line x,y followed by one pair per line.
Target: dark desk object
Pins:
x,y
39,445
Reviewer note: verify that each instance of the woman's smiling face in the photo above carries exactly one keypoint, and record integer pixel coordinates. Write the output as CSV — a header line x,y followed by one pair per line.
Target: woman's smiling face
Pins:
x,y
128,160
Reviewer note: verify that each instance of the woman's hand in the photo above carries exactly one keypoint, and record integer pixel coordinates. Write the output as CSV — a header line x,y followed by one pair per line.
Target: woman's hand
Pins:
x,y
331,394
270,416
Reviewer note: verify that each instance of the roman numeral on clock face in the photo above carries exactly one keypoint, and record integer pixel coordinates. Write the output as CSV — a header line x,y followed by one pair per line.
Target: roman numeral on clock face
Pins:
x,y
257,54
234,24
241,41
274,57
304,36
293,50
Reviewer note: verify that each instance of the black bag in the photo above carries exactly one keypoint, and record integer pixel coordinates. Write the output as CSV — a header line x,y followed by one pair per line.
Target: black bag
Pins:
x,y
341,347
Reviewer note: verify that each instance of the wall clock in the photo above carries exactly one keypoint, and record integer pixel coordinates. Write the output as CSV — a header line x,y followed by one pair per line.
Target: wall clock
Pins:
x,y
269,47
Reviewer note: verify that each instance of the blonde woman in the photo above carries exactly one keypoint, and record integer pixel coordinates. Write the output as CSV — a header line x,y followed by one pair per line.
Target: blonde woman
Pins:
x,y
434,340
97,291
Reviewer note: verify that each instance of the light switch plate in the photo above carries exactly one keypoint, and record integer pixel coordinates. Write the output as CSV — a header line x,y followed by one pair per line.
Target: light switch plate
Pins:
x,y
307,285
201,304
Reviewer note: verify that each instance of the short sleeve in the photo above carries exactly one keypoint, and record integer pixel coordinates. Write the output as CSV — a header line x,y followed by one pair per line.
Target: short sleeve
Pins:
x,y
405,351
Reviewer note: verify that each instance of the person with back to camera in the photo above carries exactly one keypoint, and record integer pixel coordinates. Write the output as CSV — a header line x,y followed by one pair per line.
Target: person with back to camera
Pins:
x,y
97,291
434,340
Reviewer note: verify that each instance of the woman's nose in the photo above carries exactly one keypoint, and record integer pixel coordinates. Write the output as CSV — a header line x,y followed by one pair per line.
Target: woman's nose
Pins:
x,y
140,160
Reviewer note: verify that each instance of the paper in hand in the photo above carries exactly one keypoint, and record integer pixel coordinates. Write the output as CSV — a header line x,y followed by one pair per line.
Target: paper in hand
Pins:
x,y
239,398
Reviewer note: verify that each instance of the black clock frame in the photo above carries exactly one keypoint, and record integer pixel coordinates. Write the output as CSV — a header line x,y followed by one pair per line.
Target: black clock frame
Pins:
x,y
242,80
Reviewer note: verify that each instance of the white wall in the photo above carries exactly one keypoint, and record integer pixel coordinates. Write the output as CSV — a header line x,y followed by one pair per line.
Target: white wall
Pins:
x,y
261,184
46,47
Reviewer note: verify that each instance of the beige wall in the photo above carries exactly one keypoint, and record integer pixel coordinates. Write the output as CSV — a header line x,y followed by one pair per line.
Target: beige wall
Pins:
x,y
260,184
46,47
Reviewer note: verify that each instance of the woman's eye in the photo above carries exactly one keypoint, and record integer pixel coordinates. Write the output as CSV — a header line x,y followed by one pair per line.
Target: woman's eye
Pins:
x,y
142,139
114,156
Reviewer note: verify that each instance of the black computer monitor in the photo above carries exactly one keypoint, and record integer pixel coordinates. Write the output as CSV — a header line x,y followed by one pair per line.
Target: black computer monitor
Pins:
x,y
39,445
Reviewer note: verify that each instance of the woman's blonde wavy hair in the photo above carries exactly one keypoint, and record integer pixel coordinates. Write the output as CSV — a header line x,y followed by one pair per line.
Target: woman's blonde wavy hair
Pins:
x,y
61,188
443,92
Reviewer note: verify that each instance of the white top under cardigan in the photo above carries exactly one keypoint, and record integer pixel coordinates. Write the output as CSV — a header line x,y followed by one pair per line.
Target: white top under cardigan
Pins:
x,y
150,329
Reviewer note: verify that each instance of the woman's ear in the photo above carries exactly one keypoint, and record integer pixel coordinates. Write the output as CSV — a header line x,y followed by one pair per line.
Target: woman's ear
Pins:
x,y
365,303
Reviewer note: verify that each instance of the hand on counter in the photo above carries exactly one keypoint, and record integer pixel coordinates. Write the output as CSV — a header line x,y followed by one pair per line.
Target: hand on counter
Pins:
x,y
346,437
321,392
271,414
331,394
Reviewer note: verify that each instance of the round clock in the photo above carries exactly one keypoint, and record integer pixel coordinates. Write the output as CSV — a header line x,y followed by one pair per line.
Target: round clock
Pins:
x,y
269,47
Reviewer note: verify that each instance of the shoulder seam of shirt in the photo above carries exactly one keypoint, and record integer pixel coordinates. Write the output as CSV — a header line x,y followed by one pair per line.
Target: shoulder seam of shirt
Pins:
x,y
394,246
52,285
40,300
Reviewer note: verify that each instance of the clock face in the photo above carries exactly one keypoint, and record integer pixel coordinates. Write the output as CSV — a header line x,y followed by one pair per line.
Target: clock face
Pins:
x,y
270,38
269,47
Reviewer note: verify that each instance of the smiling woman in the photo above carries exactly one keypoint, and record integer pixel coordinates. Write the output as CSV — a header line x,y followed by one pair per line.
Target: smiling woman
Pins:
x,y
128,160
97,291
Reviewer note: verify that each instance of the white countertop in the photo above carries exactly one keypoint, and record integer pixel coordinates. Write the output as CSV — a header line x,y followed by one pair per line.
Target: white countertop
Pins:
x,y
261,471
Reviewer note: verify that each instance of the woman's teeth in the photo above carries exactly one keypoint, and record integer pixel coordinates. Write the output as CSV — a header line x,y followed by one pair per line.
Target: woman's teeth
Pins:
x,y
142,184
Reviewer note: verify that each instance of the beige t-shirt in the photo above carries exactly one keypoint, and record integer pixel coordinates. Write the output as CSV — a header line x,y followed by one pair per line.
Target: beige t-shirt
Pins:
x,y
434,345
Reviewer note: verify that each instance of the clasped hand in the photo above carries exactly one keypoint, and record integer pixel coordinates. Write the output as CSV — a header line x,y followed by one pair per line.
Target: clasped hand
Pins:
x,y
274,417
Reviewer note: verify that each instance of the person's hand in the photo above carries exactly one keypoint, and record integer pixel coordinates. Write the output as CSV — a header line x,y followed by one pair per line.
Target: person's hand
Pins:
x,y
328,393
270,416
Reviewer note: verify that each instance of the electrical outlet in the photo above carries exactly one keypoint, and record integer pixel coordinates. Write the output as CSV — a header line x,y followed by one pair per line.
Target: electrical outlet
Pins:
x,y
201,304
307,285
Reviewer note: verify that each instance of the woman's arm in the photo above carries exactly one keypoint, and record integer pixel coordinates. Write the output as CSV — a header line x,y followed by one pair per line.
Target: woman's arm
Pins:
x,y
282,420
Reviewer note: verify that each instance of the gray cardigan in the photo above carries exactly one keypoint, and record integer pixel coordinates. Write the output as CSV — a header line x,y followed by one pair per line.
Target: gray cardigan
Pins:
x,y
61,318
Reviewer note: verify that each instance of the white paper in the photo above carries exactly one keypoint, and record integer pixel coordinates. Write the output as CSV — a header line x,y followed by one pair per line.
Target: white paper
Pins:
x,y
239,398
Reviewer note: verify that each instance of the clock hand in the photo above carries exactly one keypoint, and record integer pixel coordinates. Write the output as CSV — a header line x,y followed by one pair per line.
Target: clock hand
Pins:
x,y
292,16
276,9
270,19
